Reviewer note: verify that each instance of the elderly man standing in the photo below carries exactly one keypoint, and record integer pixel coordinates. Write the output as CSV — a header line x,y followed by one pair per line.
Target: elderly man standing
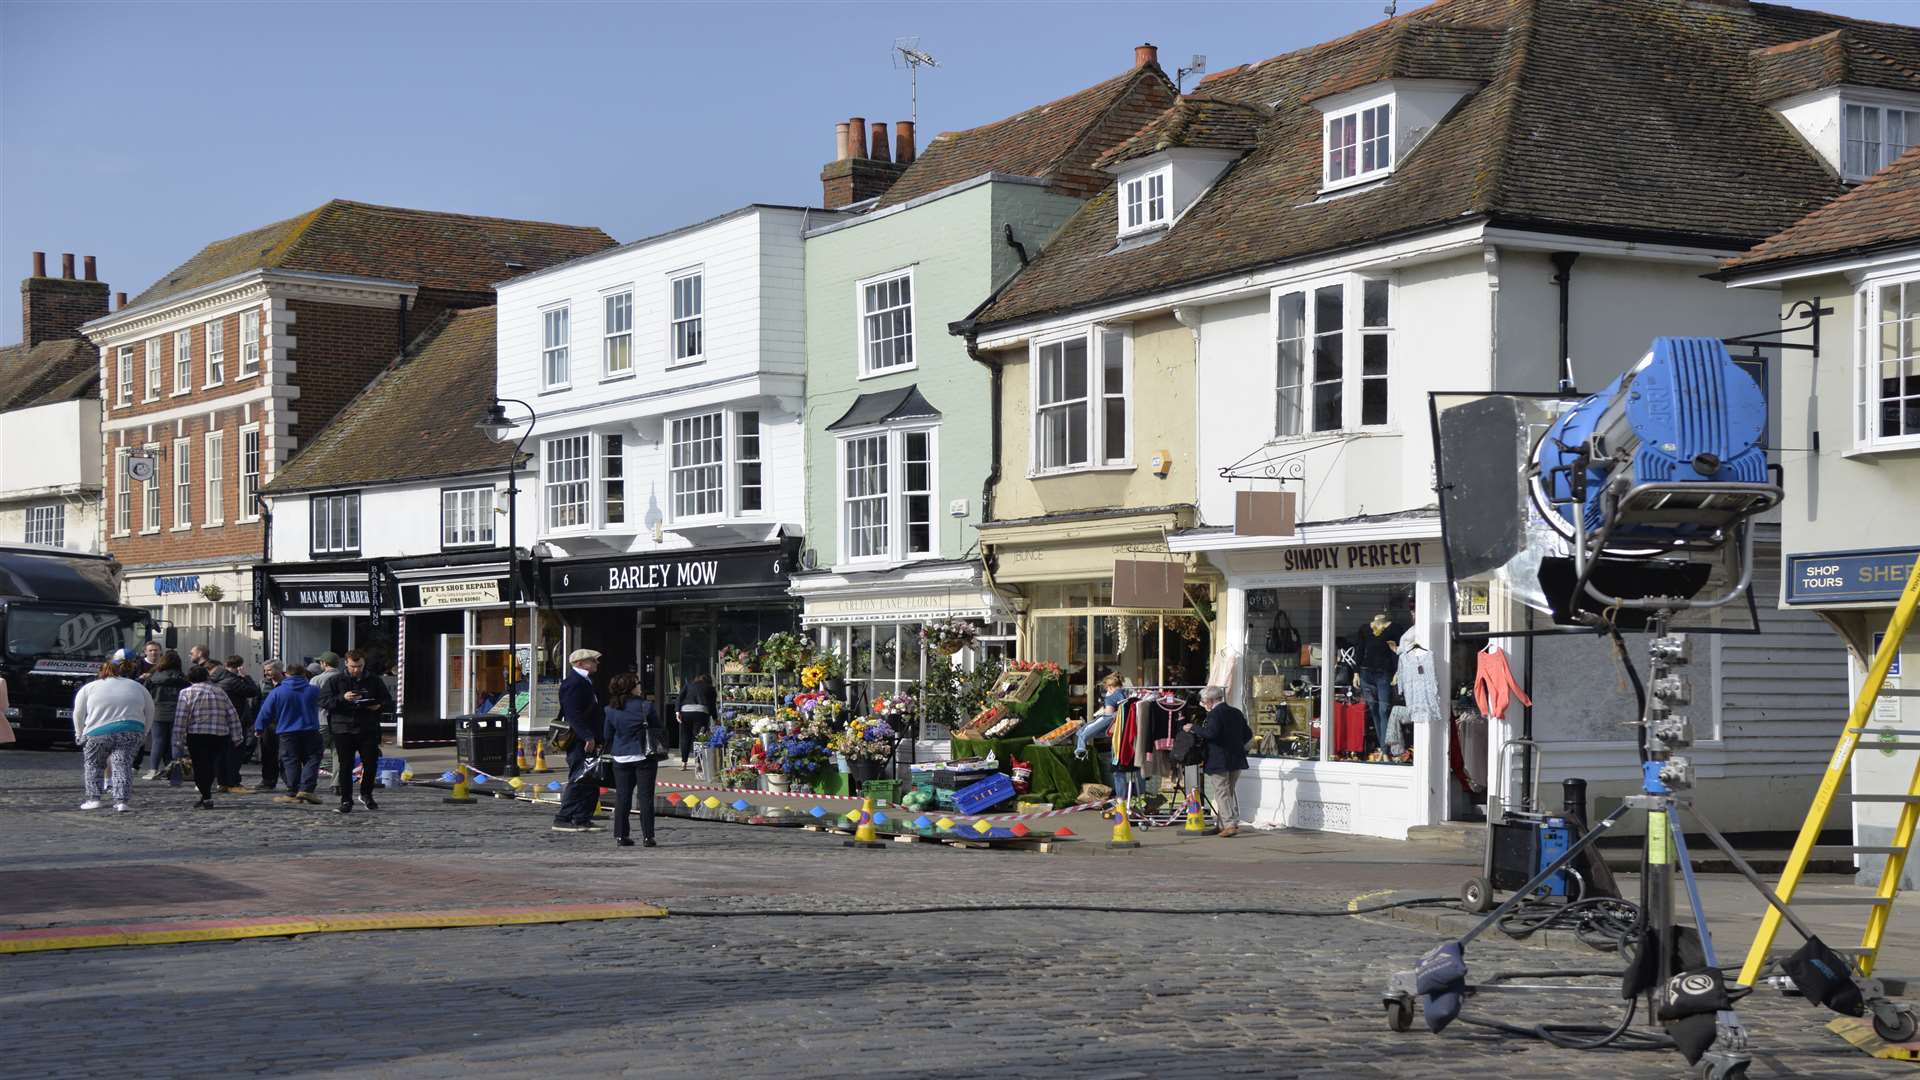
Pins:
x,y
1227,733
581,707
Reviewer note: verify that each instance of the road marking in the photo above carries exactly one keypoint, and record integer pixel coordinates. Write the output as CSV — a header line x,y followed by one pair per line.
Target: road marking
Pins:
x,y
1357,902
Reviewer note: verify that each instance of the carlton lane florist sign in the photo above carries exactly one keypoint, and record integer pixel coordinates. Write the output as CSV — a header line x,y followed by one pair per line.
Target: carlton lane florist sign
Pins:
x,y
1316,558
663,579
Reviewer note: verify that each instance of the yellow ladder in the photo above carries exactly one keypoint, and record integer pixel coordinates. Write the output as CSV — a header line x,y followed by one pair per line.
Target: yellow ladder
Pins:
x,y
1881,903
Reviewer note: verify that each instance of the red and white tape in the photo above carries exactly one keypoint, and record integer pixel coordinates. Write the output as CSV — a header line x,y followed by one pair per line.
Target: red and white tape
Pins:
x,y
1028,816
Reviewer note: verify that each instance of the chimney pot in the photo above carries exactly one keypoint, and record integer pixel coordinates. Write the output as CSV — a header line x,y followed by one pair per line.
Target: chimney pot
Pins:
x,y
87,268
880,152
903,141
119,300
857,136
66,266
39,264
1145,53
840,151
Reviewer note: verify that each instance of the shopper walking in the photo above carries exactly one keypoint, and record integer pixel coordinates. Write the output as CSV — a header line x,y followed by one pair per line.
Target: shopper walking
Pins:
x,y
291,710
637,739
580,707
356,700
111,716
231,679
164,683
698,706
206,726
1227,734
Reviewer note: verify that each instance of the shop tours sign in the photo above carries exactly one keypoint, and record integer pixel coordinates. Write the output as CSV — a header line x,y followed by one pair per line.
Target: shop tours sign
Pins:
x,y
1318,558
666,578
1849,576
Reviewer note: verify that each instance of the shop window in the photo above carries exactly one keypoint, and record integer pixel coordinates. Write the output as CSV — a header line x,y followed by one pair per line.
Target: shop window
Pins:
x,y
1090,639
882,659
1290,677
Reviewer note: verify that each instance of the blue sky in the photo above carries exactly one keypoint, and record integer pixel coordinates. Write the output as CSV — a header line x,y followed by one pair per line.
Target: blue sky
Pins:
x,y
140,132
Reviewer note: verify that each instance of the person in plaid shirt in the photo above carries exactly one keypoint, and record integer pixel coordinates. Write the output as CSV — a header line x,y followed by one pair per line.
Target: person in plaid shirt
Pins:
x,y
205,723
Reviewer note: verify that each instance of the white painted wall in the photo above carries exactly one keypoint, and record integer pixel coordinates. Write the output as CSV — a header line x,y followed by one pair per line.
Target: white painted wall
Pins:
x,y
50,447
397,520
82,520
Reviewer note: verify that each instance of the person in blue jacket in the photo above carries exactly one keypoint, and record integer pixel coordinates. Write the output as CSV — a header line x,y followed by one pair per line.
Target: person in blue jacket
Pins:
x,y
292,710
580,706
637,739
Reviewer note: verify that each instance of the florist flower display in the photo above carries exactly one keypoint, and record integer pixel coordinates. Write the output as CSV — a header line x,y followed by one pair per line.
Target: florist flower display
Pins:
x,y
869,739
785,651
796,756
949,635
736,658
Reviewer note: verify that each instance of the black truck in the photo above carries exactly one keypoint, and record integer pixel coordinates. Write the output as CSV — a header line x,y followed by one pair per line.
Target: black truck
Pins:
x,y
60,618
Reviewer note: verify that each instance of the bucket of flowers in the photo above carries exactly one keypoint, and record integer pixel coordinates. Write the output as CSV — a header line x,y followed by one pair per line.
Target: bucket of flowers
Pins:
x,y
867,743
793,761
949,636
741,776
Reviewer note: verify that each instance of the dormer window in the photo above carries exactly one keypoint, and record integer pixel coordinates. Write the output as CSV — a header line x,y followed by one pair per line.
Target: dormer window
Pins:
x,y
1143,201
1359,144
1873,136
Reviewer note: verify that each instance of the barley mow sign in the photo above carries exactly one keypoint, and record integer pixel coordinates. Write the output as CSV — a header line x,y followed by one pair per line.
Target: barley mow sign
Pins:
x,y
684,575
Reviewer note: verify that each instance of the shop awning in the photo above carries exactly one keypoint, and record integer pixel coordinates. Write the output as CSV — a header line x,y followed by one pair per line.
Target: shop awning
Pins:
x,y
886,407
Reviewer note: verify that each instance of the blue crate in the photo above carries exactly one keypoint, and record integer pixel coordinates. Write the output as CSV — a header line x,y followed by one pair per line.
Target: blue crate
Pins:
x,y
990,792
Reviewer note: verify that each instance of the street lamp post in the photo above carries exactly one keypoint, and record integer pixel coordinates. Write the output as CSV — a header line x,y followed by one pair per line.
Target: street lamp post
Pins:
x,y
499,428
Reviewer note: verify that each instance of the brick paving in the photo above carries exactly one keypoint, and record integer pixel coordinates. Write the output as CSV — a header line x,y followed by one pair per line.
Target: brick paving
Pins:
x,y
1001,994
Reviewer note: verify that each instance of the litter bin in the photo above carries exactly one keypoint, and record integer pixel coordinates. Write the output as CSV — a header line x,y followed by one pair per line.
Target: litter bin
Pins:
x,y
483,743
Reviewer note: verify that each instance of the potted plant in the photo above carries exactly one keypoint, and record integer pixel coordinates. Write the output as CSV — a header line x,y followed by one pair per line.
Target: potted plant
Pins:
x,y
949,636
785,651
867,744
794,759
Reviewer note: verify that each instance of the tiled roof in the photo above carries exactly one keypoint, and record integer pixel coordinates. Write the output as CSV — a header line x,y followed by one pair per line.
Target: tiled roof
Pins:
x,y
458,252
415,421
1056,141
52,371
1634,119
1194,122
1835,58
1883,212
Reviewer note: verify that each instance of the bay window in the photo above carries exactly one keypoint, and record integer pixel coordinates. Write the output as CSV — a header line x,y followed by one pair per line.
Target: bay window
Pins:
x,y
565,481
1083,401
1887,365
697,465
887,481
1319,330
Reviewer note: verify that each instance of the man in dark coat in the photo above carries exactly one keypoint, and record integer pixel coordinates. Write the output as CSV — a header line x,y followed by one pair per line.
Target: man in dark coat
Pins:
x,y
584,712
1227,733
356,700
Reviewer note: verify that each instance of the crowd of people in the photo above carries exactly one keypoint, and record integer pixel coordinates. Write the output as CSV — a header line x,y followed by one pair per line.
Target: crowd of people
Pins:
x,y
206,718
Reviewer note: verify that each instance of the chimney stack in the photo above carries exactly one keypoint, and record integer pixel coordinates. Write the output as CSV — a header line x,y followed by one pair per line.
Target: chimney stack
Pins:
x,y
840,151
89,270
903,142
865,169
54,309
1145,54
880,151
119,300
857,136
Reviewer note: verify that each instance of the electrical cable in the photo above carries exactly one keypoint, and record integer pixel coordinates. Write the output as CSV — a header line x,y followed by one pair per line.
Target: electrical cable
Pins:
x,y
1564,1035
1639,688
1602,923
1107,909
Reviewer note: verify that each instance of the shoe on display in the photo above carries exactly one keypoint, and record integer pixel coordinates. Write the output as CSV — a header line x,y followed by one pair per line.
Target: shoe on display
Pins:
x,y
119,808
92,804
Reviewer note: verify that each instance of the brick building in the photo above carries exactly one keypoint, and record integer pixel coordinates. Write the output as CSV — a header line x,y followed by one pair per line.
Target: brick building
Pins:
x,y
218,372
50,413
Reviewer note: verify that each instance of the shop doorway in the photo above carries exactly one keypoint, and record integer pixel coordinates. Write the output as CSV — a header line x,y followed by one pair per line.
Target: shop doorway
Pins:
x,y
428,677
614,633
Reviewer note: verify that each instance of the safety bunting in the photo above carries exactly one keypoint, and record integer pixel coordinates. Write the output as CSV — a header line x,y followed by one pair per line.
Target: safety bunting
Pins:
x,y
1028,816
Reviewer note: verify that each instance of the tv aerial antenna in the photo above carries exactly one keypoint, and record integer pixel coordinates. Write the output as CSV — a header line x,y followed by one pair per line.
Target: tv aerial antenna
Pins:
x,y
1196,66
908,53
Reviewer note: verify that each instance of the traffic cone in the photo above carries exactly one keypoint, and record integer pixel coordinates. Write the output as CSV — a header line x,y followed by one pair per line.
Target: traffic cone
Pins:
x,y
540,756
520,755
1122,829
864,835
461,795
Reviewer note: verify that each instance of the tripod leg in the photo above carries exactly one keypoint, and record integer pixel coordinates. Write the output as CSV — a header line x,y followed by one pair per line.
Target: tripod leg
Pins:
x,y
1752,876
1693,886
1566,859
1729,1055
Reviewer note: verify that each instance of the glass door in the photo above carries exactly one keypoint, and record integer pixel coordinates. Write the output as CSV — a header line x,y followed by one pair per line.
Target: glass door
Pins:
x,y
453,674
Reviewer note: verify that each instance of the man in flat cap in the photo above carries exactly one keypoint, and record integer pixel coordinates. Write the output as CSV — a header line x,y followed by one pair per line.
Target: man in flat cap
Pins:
x,y
582,709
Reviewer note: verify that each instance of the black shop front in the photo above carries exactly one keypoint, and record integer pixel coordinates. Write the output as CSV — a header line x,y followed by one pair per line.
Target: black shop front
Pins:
x,y
665,615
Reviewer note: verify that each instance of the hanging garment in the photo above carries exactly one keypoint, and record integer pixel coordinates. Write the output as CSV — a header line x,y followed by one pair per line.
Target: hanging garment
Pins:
x,y
1419,682
1126,731
1493,685
1349,727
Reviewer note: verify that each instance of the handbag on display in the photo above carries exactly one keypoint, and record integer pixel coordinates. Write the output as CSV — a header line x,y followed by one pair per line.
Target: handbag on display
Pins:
x,y
1282,638
1268,683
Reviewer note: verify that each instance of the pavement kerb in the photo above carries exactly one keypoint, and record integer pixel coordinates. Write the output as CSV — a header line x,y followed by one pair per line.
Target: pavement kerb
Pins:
x,y
1455,922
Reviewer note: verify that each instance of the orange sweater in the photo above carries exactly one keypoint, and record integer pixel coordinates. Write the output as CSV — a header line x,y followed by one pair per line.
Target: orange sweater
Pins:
x,y
1493,685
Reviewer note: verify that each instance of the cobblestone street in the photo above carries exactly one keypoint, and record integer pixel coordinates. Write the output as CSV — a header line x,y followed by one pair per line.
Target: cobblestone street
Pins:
x,y
1001,994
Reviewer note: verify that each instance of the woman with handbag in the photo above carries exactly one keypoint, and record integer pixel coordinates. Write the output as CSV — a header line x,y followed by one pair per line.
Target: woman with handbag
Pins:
x,y
636,741
164,684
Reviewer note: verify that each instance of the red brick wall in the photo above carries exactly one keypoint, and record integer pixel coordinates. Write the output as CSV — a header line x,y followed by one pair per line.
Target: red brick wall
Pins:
x,y
231,383
338,350
232,539
54,308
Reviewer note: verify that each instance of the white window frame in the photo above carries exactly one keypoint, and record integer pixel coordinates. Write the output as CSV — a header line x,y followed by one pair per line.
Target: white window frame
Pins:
x,y
719,465
616,335
1352,354
894,501
150,495
694,322
860,316
1142,207
584,441
741,459
216,480
250,479
216,349
122,493
556,350
1094,401
1881,150
1357,119
150,391
182,484
323,510
183,361
1868,320
466,517
123,376
607,459
46,523
249,344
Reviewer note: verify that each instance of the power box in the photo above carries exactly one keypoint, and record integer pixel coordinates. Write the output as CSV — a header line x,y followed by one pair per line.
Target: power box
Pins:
x,y
1522,848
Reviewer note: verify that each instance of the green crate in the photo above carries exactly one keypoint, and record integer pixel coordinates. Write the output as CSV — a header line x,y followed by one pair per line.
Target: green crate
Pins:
x,y
881,791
